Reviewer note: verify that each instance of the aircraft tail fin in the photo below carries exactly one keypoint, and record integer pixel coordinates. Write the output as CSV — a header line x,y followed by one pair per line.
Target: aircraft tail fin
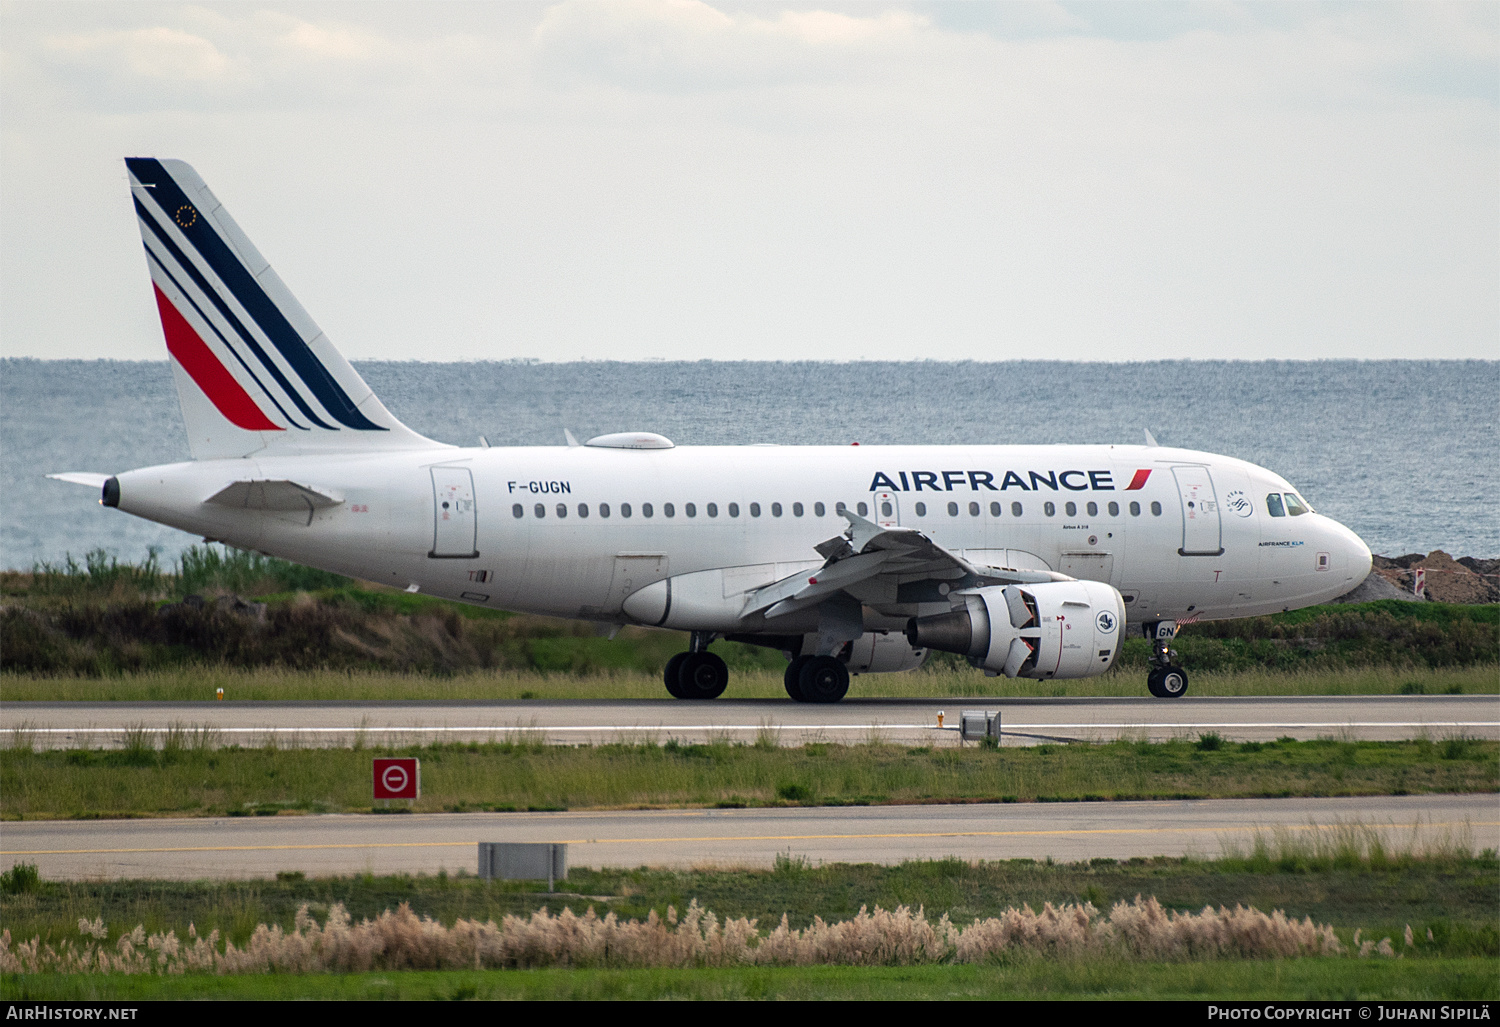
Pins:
x,y
254,372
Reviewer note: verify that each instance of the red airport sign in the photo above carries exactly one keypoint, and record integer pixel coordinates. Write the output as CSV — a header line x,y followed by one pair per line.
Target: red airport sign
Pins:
x,y
398,778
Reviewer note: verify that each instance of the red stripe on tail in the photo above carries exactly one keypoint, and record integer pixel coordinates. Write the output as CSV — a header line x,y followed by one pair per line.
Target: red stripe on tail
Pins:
x,y
204,368
1139,481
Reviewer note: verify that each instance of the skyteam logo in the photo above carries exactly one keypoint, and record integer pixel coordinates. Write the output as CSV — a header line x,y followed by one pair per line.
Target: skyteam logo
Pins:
x,y
1239,503
1105,622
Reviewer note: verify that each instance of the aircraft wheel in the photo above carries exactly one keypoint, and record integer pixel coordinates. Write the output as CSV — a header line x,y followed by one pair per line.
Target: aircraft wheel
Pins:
x,y
1168,682
670,675
793,678
701,676
823,679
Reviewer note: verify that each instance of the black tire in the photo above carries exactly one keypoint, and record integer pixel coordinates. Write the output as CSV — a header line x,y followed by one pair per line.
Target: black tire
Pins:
x,y
669,675
1153,683
1173,683
823,679
702,676
793,678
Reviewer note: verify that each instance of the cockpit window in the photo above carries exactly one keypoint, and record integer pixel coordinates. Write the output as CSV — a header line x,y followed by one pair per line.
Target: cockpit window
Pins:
x,y
1294,505
1273,504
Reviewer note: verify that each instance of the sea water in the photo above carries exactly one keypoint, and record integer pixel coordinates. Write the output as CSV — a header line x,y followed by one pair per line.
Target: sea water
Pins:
x,y
1403,452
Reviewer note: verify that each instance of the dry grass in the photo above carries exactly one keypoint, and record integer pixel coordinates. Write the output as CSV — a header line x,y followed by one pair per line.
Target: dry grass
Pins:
x,y
401,940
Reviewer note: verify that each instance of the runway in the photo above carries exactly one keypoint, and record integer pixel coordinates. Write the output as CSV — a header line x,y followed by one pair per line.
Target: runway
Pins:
x,y
412,843
905,721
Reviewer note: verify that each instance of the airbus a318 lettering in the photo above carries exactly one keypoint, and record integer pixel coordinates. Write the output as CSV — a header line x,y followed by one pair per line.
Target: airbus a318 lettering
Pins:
x,y
1031,561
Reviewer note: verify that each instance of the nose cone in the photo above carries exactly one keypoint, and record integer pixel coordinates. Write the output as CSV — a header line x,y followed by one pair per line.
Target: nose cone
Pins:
x,y
1356,562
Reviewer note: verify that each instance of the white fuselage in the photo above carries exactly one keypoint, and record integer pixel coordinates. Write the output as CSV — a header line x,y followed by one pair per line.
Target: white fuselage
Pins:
x,y
545,529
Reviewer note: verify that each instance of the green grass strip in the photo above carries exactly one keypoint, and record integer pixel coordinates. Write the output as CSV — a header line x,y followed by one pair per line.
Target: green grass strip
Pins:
x,y
183,780
1302,979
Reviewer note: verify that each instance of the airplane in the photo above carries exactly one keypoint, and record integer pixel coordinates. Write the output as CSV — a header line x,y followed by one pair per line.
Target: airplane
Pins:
x,y
1028,560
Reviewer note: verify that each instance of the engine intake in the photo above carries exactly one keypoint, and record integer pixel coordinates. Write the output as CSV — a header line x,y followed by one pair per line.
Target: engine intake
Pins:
x,y
1061,629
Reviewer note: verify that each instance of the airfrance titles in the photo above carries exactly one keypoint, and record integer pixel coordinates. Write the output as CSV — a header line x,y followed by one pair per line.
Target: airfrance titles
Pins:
x,y
978,481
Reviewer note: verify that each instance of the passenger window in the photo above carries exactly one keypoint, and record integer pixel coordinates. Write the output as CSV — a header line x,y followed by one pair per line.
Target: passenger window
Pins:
x,y
819,509
775,509
646,510
540,511
562,509
518,510
839,508
1155,509
1114,509
994,509
796,509
1071,509
1093,509
713,509
690,509
886,510
583,509
1015,509
734,509
864,509
669,510
921,509
625,510
973,509
1294,505
952,509
603,509
754,509
1273,505
1135,509
1049,509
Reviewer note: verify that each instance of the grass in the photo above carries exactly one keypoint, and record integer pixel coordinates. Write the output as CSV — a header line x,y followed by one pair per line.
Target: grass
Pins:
x,y
198,684
1326,979
104,619
1343,879
191,777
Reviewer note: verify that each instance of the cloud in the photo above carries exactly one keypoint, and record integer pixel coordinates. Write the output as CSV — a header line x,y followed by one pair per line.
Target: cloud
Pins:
x,y
689,46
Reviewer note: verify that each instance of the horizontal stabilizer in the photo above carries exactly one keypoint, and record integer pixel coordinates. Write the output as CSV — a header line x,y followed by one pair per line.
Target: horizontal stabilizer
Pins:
x,y
89,478
275,495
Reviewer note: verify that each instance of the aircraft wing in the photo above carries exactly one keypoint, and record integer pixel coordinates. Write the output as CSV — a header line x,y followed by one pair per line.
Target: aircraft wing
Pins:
x,y
867,555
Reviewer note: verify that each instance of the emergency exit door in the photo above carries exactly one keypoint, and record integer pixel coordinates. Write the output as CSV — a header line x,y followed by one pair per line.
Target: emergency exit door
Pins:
x,y
1201,530
455,526
887,510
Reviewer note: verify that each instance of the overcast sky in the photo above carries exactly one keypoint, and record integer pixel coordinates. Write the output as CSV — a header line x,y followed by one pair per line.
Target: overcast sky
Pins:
x,y
685,180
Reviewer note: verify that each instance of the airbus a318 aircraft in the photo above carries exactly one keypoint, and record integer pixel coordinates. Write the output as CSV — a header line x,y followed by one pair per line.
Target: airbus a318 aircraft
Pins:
x,y
1031,561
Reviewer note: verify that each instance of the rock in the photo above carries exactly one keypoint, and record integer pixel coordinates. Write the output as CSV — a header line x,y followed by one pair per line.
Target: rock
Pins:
x,y
1377,587
1447,580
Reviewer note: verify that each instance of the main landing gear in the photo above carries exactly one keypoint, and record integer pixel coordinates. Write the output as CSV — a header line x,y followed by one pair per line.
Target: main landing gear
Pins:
x,y
1166,680
817,679
698,673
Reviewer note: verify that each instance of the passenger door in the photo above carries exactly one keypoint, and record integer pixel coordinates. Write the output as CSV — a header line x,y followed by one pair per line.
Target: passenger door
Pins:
x,y
455,526
1202,533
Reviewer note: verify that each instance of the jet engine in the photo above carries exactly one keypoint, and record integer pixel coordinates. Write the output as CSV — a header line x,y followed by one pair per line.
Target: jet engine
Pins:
x,y
1059,629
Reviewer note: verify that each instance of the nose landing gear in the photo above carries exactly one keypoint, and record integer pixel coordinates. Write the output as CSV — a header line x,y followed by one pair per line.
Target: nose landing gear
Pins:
x,y
1166,680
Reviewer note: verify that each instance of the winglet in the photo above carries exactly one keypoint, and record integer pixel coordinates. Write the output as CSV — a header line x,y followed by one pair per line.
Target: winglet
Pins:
x,y
1150,439
572,440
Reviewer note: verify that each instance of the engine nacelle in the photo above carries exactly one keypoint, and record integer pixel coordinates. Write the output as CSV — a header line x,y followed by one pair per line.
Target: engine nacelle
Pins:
x,y
880,652
1059,629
